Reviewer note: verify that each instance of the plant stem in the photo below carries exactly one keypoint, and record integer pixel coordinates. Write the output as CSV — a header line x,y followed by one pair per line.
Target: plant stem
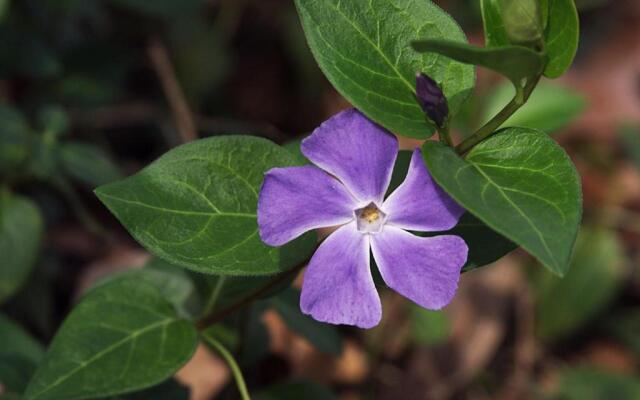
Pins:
x,y
233,365
488,129
215,317
445,136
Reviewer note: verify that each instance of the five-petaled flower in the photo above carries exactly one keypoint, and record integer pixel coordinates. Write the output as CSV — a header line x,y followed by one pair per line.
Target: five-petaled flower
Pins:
x,y
354,159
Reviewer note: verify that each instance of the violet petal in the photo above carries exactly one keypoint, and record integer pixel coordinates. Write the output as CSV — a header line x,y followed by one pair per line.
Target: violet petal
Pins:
x,y
424,269
419,204
357,151
338,287
295,200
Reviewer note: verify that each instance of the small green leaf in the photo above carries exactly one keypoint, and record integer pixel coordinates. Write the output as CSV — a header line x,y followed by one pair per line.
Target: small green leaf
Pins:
x,y
514,62
549,108
562,34
522,185
18,342
363,49
323,337
20,238
88,164
295,390
565,305
15,140
122,336
428,327
53,120
495,34
196,207
588,383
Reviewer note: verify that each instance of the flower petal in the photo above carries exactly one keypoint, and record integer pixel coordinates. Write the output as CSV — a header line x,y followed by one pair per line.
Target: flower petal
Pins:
x,y
419,204
425,270
338,287
357,151
295,200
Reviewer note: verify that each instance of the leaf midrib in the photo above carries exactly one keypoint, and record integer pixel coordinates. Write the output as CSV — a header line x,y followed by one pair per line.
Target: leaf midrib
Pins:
x,y
211,214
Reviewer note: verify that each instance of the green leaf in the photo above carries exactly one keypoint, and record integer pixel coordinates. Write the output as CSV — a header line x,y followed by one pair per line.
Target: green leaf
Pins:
x,y
485,245
54,121
363,49
174,284
294,147
428,327
495,34
296,389
20,238
562,34
549,108
196,207
514,62
565,305
15,341
88,164
15,140
522,185
123,336
588,383
323,337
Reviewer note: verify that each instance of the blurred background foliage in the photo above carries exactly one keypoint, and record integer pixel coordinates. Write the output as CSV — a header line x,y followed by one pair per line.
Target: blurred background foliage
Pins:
x,y
93,90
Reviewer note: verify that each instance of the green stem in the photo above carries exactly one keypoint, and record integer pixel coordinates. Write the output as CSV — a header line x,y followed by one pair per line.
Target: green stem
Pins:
x,y
215,294
488,129
445,136
233,365
217,316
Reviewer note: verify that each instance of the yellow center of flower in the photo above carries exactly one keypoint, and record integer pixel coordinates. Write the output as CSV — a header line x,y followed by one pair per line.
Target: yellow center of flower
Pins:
x,y
370,213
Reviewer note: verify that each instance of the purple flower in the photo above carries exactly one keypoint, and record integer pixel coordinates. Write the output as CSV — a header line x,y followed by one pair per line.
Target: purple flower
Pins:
x,y
353,160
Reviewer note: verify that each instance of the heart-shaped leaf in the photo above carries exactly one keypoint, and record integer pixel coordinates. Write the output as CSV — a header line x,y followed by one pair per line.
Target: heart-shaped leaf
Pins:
x,y
522,185
363,49
196,207
123,336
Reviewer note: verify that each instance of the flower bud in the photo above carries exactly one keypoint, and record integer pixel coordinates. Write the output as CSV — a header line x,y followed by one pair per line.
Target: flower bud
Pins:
x,y
431,99
522,20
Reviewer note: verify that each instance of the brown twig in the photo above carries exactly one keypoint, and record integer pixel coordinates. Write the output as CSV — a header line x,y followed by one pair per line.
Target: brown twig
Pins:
x,y
218,316
161,63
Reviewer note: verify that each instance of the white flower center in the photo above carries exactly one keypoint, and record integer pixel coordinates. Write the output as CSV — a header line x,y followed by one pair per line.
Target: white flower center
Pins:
x,y
370,219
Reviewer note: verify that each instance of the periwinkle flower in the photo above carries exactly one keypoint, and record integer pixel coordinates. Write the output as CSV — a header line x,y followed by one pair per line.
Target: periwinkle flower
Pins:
x,y
353,160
